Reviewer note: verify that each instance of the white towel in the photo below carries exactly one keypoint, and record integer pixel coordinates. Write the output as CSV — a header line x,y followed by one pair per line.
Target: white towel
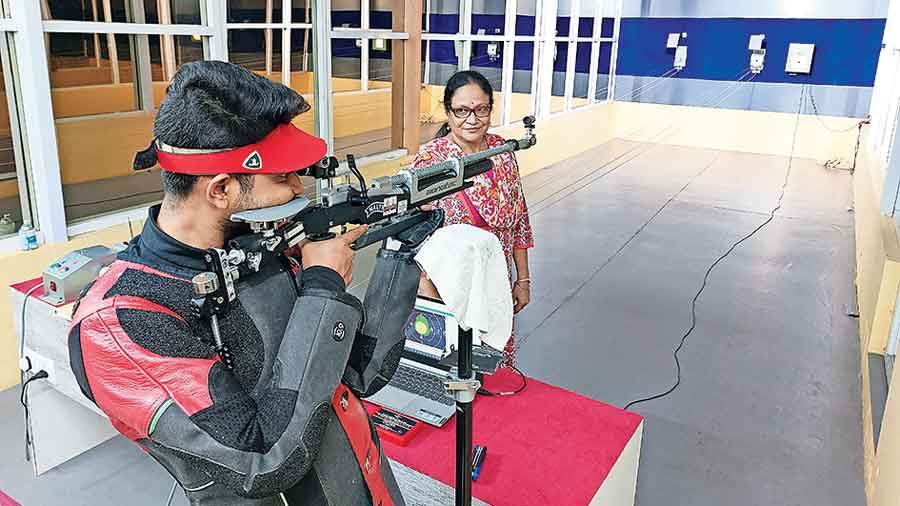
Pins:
x,y
468,268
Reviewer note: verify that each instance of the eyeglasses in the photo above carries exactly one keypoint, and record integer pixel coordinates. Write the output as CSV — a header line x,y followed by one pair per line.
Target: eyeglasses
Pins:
x,y
482,111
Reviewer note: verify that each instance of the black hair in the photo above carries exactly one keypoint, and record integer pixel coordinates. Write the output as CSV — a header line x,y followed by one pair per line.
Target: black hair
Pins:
x,y
457,81
218,105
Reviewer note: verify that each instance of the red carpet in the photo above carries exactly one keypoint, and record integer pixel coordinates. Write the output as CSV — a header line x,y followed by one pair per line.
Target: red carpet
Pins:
x,y
6,500
546,445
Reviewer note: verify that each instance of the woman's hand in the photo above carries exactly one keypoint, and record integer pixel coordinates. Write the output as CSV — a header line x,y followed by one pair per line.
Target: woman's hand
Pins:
x,y
521,294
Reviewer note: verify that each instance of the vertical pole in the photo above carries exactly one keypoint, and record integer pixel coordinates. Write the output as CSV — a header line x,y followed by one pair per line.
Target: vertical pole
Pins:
x,y
111,44
167,46
268,38
96,35
287,16
322,64
464,425
509,49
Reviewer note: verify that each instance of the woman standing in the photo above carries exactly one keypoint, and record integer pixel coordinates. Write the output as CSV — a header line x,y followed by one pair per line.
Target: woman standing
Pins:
x,y
496,202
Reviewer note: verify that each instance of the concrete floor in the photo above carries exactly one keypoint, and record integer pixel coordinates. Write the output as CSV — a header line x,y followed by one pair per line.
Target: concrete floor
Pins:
x,y
768,409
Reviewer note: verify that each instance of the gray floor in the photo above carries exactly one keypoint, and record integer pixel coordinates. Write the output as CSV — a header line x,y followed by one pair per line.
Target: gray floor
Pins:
x,y
768,409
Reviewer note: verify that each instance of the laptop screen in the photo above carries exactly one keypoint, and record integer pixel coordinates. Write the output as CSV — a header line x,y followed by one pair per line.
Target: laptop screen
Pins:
x,y
429,328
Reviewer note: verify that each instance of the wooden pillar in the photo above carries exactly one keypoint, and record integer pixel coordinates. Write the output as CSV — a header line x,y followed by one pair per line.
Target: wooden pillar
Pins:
x,y
46,15
96,35
307,34
406,57
167,42
268,38
111,43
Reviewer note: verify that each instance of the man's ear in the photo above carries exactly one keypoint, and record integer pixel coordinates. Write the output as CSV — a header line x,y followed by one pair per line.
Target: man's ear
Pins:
x,y
219,191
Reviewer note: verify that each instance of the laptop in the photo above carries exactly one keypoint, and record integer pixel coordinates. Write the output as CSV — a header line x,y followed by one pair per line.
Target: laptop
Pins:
x,y
417,388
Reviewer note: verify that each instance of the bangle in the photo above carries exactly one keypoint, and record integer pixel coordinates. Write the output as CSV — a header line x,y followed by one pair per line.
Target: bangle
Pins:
x,y
523,280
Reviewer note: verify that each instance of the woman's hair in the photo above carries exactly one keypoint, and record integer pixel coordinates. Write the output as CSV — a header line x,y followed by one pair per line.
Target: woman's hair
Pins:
x,y
457,81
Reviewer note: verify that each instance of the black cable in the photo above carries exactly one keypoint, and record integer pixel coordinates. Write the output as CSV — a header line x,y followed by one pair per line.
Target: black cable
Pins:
x,y
24,400
721,258
858,139
615,255
812,100
112,199
489,393
24,373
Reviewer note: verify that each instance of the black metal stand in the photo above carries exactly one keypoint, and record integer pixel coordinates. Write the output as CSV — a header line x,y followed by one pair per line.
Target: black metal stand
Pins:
x,y
464,424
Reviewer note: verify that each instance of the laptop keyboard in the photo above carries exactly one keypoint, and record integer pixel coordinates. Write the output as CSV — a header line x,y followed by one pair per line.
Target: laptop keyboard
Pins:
x,y
421,383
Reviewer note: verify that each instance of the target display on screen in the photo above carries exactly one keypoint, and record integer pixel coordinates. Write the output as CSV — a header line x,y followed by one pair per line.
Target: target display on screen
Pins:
x,y
426,328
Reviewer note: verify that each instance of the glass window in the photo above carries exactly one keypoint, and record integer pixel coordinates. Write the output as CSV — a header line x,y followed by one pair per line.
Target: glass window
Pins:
x,y
605,58
11,196
303,78
174,11
346,14
526,15
345,64
587,11
582,74
563,19
167,54
381,68
362,121
443,16
254,11
523,76
257,50
487,59
302,11
91,74
488,17
560,59
381,15
442,64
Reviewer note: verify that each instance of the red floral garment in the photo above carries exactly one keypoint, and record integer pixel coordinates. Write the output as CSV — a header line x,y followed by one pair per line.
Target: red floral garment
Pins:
x,y
495,203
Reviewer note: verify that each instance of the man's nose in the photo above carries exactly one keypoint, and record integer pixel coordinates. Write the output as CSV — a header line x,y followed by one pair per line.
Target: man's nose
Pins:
x,y
296,184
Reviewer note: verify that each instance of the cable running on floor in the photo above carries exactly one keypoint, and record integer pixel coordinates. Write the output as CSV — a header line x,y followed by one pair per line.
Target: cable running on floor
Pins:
x,y
719,98
712,267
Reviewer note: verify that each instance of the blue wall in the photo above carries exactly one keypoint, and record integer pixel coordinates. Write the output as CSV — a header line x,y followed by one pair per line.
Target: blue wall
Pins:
x,y
846,49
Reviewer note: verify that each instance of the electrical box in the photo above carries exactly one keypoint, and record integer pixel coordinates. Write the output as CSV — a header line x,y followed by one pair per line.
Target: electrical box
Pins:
x,y
681,57
65,278
757,52
672,42
799,59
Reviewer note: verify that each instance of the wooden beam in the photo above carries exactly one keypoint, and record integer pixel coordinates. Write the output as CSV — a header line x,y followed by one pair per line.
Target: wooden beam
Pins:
x,y
111,44
407,75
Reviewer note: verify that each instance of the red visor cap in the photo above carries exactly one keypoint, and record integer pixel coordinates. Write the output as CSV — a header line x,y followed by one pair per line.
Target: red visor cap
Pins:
x,y
285,149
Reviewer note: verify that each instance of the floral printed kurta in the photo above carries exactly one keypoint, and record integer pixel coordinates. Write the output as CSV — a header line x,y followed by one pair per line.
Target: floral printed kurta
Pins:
x,y
495,203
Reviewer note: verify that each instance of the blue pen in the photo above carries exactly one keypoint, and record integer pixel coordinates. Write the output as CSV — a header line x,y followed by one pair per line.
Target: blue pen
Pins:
x,y
480,454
